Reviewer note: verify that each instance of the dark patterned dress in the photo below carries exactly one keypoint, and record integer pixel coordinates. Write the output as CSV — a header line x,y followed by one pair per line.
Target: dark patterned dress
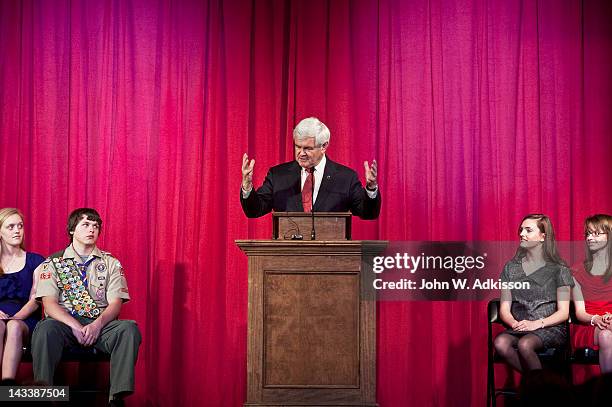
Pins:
x,y
540,300
15,289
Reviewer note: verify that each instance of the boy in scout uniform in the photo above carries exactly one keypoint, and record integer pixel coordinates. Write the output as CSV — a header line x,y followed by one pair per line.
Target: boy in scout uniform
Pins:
x,y
82,289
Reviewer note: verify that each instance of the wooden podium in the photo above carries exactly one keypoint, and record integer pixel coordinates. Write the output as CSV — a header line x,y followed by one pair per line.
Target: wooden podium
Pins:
x,y
311,333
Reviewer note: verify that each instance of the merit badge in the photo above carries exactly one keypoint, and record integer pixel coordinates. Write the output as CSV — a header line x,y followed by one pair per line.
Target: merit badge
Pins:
x,y
100,293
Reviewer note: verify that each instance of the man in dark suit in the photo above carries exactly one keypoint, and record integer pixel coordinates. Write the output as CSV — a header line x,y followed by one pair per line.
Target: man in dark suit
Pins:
x,y
312,182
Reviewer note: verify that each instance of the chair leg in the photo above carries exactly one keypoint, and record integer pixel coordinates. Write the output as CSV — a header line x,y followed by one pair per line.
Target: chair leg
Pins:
x,y
488,392
569,374
491,399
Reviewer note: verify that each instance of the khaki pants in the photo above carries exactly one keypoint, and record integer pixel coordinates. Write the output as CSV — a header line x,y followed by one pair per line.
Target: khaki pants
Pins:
x,y
119,338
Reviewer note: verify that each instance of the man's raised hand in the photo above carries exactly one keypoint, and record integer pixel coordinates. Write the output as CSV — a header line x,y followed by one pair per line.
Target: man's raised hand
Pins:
x,y
371,173
247,172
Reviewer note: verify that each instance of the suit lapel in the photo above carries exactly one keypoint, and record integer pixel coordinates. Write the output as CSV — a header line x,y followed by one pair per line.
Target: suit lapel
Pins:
x,y
295,204
328,178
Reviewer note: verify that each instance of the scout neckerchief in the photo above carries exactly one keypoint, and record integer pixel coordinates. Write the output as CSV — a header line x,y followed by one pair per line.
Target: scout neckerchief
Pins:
x,y
70,280
83,266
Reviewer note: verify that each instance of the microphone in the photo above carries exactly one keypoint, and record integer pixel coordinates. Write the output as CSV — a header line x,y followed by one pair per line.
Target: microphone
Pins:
x,y
313,234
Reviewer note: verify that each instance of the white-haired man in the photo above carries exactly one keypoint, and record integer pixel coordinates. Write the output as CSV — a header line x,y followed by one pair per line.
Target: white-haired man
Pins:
x,y
288,187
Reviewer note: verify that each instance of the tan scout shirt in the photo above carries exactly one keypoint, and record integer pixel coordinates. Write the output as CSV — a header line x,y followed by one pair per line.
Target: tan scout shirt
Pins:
x,y
105,280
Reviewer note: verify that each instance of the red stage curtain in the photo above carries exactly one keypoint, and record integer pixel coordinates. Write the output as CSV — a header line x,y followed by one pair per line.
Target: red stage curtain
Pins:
x,y
478,112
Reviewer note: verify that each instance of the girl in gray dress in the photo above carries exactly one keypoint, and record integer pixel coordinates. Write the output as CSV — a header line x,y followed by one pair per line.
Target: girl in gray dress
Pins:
x,y
536,315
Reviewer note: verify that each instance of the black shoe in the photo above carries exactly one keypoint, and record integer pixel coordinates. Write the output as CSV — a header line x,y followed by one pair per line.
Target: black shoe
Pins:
x,y
116,403
8,382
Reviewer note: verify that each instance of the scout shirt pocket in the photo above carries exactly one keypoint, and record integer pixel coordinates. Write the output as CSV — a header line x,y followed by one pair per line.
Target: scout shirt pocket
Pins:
x,y
98,283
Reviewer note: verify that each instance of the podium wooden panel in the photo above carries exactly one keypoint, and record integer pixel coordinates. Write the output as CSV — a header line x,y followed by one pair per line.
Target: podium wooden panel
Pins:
x,y
311,336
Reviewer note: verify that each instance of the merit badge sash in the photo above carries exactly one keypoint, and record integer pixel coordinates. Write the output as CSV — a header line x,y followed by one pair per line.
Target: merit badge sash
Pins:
x,y
74,291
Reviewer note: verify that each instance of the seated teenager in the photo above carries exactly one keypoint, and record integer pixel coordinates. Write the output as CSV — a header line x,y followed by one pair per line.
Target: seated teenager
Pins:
x,y
17,304
82,289
536,316
592,293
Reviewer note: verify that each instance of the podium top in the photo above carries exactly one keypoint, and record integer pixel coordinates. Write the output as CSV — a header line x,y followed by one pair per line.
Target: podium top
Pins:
x,y
326,225
278,246
309,214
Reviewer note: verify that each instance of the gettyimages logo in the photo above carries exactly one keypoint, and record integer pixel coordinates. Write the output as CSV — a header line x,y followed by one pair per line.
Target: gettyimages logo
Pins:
x,y
451,271
404,261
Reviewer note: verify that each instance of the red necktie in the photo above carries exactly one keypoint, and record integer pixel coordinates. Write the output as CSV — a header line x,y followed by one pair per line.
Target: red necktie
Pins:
x,y
307,191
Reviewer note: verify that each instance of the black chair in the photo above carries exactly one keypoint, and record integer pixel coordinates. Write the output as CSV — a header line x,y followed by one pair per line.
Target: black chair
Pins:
x,y
582,356
85,392
74,354
557,359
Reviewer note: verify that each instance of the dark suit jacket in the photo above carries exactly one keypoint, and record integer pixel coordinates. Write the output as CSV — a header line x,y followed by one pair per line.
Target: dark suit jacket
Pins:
x,y
340,191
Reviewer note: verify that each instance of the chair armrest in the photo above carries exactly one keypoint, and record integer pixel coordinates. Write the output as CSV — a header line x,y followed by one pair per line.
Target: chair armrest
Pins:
x,y
493,311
